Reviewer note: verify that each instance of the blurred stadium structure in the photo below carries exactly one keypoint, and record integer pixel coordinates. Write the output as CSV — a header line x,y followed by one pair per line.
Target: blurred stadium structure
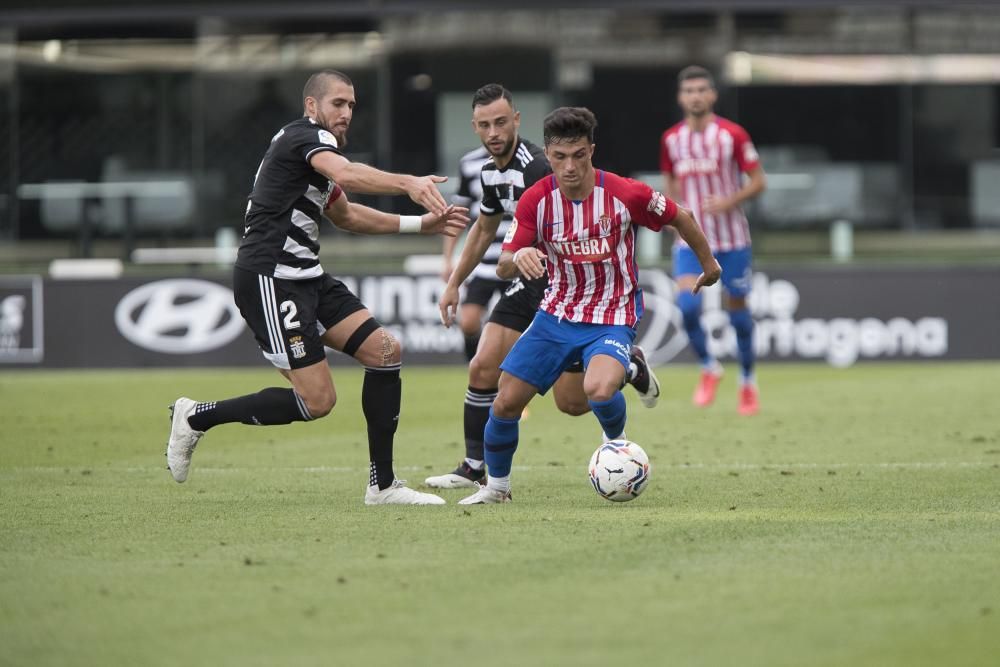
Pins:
x,y
127,127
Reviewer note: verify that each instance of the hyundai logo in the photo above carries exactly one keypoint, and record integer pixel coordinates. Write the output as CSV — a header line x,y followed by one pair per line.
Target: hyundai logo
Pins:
x,y
180,316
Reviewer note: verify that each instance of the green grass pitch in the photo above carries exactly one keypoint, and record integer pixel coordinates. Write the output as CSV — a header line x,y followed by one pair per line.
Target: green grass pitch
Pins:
x,y
855,521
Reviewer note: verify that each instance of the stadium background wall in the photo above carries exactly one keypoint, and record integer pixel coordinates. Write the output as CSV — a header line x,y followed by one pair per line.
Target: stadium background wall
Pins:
x,y
829,315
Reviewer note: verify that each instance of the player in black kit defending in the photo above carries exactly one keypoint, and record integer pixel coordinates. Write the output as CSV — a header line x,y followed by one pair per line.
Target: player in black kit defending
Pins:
x,y
295,308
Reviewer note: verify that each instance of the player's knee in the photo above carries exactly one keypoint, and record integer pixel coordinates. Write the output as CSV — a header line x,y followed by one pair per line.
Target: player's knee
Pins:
x,y
505,408
382,349
572,405
599,390
320,403
392,349
483,371
469,323
470,327
735,302
742,321
690,306
602,394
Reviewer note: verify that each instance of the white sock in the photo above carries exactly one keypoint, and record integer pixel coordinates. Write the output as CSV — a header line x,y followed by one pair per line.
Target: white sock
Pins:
x,y
475,464
632,371
498,483
621,436
748,379
713,367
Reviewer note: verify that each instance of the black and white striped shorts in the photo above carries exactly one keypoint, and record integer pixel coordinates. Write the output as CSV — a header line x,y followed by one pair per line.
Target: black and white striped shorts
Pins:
x,y
289,317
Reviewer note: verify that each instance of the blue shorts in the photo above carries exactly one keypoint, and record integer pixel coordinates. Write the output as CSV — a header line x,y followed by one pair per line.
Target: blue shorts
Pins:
x,y
550,345
736,274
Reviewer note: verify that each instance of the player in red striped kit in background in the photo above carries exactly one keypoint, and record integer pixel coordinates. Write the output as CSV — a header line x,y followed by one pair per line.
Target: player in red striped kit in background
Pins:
x,y
703,159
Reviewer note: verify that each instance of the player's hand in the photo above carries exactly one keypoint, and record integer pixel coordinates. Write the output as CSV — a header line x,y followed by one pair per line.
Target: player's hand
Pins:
x,y
710,276
530,262
423,191
449,222
448,304
712,205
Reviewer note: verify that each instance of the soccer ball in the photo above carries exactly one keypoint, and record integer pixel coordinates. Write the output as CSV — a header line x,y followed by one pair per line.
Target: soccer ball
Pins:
x,y
619,470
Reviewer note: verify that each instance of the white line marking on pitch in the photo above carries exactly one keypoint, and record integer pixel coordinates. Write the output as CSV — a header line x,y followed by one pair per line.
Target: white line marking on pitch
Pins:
x,y
912,465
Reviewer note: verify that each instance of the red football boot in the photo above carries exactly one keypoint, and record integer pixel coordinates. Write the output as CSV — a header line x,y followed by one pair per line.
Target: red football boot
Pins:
x,y
704,393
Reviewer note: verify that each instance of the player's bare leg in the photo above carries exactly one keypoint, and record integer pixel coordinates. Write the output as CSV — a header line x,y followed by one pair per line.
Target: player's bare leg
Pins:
x,y
569,395
571,399
484,377
470,321
360,336
711,370
314,385
494,345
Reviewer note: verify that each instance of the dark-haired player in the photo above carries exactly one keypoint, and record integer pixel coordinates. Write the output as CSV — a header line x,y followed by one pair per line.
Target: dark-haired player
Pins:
x,y
703,159
578,226
482,284
515,165
295,308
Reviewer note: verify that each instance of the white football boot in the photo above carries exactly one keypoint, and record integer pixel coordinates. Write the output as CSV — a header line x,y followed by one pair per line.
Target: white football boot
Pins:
x,y
400,494
183,438
645,381
484,495
463,477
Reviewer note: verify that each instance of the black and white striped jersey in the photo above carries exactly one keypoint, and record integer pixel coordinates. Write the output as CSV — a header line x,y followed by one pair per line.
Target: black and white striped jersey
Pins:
x,y
285,206
502,187
470,187
470,193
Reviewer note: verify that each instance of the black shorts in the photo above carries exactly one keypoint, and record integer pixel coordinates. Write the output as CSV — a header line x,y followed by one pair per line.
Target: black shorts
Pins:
x,y
480,290
518,305
289,317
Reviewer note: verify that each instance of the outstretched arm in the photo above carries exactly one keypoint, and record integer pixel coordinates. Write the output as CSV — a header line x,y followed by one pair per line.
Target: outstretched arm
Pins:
x,y
358,177
364,220
447,256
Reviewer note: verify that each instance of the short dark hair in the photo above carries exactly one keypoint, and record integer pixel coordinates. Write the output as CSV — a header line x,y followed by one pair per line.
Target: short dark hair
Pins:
x,y
490,93
695,72
569,124
317,83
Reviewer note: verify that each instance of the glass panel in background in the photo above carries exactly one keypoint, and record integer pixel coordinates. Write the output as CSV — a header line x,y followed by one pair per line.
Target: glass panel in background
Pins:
x,y
239,113
246,87
8,136
108,131
955,155
830,152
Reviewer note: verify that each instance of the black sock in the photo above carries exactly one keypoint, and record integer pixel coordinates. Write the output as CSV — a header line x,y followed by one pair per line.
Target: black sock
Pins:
x,y
267,407
471,344
380,397
477,413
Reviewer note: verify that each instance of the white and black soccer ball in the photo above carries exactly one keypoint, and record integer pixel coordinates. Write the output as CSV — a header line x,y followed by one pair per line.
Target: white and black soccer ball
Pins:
x,y
619,470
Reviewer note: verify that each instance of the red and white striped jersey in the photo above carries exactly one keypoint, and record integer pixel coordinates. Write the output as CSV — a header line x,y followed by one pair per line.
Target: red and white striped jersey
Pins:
x,y
590,245
711,162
